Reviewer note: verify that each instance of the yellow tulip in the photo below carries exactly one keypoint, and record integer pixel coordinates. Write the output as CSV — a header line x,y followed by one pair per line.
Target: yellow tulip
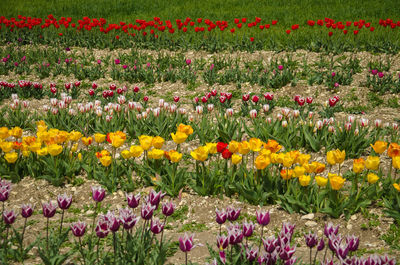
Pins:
x,y
87,140
255,144
320,167
396,186
286,174
265,152
336,181
310,168
262,162
26,153
175,157
54,149
16,132
335,156
126,154
80,157
244,148
212,148
74,136
105,160
233,146
42,152
358,165
299,171
6,146
372,178
200,154
321,181
379,147
99,137
372,162
117,140
303,159
4,133
136,150
156,153
288,160
396,162
236,159
74,147
187,129
304,180
179,137
158,142
11,157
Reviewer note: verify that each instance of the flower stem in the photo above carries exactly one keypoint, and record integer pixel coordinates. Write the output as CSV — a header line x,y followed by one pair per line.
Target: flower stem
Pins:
x,y
162,233
62,219
186,258
262,230
310,256
22,238
47,234
94,218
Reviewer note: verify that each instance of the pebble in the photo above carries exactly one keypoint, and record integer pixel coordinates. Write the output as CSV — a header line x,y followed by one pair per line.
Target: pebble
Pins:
x,y
349,226
309,216
311,223
353,217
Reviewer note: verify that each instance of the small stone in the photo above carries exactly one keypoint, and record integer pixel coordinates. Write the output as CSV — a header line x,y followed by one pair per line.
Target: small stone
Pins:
x,y
309,216
353,217
349,226
90,212
310,223
73,189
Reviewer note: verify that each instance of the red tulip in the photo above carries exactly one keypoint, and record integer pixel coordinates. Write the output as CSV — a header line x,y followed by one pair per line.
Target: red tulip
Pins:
x,y
288,31
226,154
330,33
221,147
251,39
176,99
246,97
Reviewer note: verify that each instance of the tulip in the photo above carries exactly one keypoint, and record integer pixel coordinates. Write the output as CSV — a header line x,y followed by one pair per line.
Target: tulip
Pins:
x,y
64,202
98,193
78,228
168,208
251,254
156,226
379,147
155,197
127,218
372,162
248,229
147,211
133,201
9,217
235,235
233,213
372,178
102,228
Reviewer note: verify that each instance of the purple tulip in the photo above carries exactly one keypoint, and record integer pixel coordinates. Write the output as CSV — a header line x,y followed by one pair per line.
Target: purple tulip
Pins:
x,y
342,249
98,193
9,217
374,72
336,85
113,221
222,256
248,229
147,211
280,67
156,226
4,193
380,74
155,197
117,61
270,258
26,210
330,229
64,201
333,74
270,244
124,66
321,245
168,208
235,235
98,61
186,243
128,218
188,61
133,200
263,218
222,242
251,254
311,239
220,216
78,228
102,228
233,214
287,252
353,242
49,209
211,67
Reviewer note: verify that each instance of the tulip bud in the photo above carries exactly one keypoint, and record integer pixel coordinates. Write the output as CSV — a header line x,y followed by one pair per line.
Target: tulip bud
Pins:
x,y
9,217
229,112
255,98
253,113
331,129
279,116
350,119
210,107
191,118
309,100
265,107
285,112
268,120
54,111
310,114
319,124
378,123
98,193
246,97
284,124
26,210
199,109
64,201
356,132
395,126
161,103
156,112
296,113
347,126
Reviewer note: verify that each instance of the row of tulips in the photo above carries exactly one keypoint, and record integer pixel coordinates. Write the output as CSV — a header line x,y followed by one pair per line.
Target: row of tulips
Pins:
x,y
295,129
246,33
146,245
260,172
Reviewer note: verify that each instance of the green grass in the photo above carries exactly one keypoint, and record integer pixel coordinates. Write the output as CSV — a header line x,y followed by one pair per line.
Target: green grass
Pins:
x,y
287,11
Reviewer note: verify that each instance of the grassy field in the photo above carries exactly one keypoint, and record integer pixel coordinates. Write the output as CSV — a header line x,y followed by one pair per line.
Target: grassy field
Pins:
x,y
287,12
